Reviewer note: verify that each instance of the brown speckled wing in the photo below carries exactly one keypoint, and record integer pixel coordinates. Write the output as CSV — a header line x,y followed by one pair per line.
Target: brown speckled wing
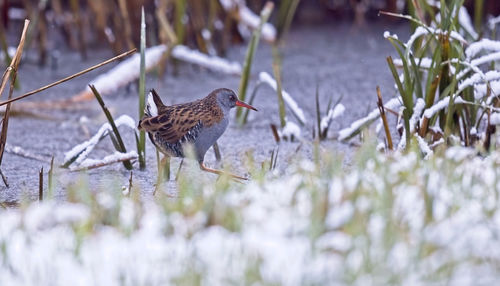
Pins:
x,y
175,123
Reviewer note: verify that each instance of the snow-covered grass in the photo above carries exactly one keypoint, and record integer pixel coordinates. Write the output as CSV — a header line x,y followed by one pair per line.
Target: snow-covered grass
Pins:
x,y
448,79
386,219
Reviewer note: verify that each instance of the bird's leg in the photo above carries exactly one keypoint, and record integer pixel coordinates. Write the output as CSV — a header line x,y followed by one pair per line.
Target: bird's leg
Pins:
x,y
218,172
178,171
164,169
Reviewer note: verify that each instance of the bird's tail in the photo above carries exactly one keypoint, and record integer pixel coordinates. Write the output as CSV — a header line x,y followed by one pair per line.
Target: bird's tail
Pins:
x,y
153,104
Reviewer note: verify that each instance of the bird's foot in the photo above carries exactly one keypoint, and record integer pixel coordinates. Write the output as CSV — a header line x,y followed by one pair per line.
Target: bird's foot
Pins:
x,y
220,173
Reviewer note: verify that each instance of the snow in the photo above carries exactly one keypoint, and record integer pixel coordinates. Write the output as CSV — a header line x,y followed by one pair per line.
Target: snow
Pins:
x,y
483,45
466,23
215,63
83,150
424,63
290,131
249,18
419,31
113,158
479,61
10,50
481,90
333,113
443,103
478,78
127,71
387,35
345,133
495,119
417,111
254,229
493,22
291,103
424,147
252,20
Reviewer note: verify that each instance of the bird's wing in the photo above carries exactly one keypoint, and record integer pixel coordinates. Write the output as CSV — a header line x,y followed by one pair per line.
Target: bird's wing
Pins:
x,y
179,122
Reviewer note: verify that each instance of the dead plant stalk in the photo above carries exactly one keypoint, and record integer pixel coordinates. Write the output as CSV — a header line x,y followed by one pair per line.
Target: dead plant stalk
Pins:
x,y
67,78
380,106
12,69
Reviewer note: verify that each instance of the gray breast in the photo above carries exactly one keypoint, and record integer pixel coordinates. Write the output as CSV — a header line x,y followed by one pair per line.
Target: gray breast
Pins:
x,y
208,136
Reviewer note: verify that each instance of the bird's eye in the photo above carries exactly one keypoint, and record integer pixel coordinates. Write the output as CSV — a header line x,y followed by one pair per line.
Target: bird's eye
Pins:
x,y
232,97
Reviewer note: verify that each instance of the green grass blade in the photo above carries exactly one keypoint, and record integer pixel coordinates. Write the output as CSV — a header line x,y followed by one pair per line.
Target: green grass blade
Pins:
x,y
120,144
408,108
250,101
279,90
318,113
252,47
141,150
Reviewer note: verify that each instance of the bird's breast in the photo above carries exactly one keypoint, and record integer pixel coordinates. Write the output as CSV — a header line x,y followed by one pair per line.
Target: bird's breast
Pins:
x,y
209,135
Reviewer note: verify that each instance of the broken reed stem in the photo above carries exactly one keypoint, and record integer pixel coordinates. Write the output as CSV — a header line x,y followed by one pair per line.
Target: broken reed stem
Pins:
x,y
274,129
111,121
40,185
16,59
69,77
4,179
5,120
380,106
11,69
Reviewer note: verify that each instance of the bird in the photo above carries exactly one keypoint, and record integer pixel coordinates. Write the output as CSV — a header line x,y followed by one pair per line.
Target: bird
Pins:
x,y
198,123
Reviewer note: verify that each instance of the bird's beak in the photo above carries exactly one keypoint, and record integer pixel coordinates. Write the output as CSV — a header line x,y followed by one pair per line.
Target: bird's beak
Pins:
x,y
242,104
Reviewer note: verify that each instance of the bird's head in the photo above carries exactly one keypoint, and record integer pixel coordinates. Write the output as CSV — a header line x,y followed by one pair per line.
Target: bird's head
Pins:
x,y
228,99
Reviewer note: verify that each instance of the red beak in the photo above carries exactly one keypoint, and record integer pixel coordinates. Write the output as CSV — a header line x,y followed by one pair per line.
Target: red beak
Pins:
x,y
242,104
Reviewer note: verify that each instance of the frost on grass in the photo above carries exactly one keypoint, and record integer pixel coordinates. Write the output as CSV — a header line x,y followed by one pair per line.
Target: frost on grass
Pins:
x,y
357,125
417,111
110,159
249,18
266,78
290,132
333,113
414,221
466,23
80,152
426,150
215,63
128,70
483,45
